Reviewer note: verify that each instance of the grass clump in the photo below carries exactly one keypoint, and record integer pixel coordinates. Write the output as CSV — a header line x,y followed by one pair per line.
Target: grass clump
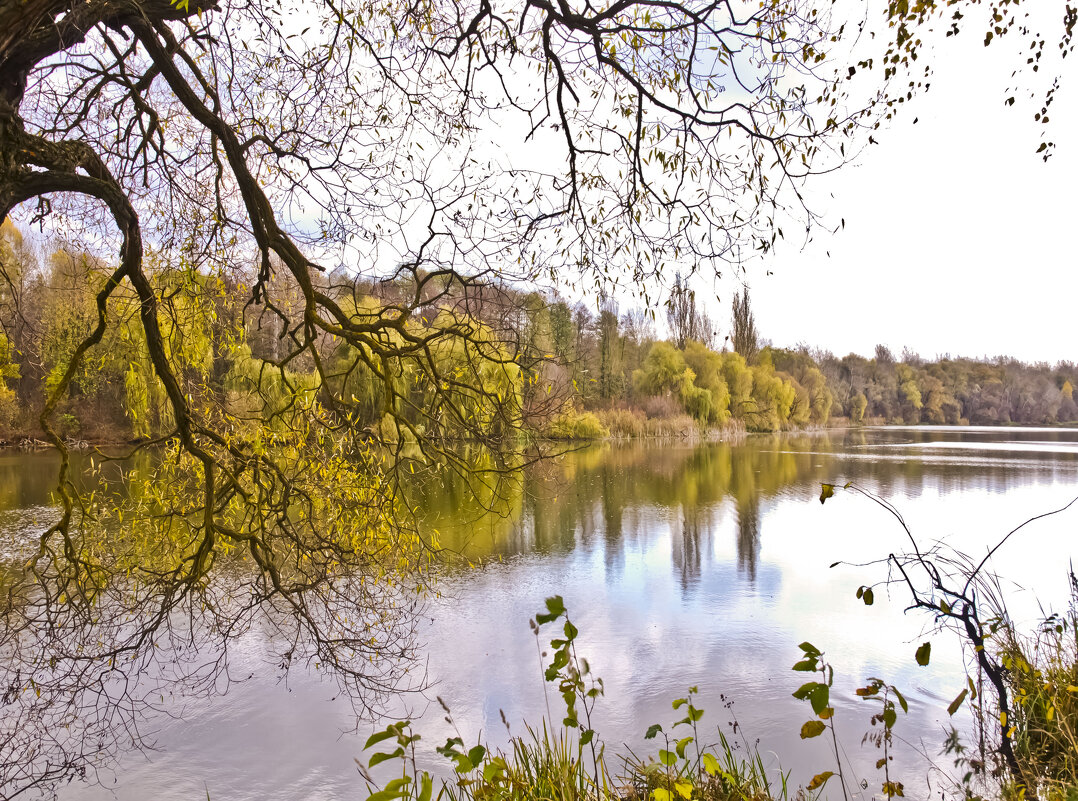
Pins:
x,y
569,762
1042,674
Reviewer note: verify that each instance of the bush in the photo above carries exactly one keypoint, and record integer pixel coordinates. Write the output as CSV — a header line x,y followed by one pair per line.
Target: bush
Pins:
x,y
571,424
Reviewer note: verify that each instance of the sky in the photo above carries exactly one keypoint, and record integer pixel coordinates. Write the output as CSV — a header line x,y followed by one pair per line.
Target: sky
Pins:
x,y
958,238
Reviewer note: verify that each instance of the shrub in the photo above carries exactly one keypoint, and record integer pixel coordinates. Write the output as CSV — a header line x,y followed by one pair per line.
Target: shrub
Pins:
x,y
571,424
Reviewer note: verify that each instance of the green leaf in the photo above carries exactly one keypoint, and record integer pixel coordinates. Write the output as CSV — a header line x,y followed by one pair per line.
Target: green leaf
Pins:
x,y
827,491
391,731
682,744
816,693
661,794
586,736
385,795
653,729
379,758
924,653
492,770
711,764
803,692
819,699
806,665
400,784
867,596
901,700
889,717
957,702
668,758
426,785
810,649
819,780
813,728
476,754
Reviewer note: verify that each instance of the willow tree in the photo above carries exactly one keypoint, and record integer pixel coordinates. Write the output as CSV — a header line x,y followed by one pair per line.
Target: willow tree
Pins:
x,y
323,142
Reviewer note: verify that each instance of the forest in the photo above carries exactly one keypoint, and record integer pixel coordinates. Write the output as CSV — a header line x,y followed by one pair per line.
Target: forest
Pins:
x,y
560,369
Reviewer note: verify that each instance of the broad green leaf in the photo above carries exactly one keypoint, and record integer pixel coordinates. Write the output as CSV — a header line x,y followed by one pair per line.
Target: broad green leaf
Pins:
x,y
476,754
377,737
901,699
812,728
711,764
653,729
803,692
385,795
400,784
379,758
827,491
819,780
819,698
889,717
924,653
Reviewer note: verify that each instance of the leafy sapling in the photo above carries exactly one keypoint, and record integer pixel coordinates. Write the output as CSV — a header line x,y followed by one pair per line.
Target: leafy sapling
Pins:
x,y
572,675
879,690
818,694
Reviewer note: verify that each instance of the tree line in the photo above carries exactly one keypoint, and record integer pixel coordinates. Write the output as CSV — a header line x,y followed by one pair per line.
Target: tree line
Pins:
x,y
532,362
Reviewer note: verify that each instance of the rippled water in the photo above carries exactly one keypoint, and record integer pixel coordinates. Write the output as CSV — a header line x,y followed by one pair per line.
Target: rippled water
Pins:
x,y
681,565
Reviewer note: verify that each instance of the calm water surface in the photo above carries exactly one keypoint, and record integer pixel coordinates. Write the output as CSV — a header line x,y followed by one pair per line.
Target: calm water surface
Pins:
x,y
681,565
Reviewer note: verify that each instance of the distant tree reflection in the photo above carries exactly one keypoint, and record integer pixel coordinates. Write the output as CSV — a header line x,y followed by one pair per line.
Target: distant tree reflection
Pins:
x,y
748,534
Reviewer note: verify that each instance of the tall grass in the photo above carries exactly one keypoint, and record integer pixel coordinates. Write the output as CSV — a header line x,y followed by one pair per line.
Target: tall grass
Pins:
x,y
1042,673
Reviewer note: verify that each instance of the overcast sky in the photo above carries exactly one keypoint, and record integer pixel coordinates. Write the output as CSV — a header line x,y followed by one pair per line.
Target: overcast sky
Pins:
x,y
959,239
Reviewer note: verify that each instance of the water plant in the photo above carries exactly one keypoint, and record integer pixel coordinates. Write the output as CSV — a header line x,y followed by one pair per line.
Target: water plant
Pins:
x,y
568,761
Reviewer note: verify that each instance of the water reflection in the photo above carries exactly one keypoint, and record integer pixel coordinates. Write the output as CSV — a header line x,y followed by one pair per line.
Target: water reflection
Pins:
x,y
682,565
596,495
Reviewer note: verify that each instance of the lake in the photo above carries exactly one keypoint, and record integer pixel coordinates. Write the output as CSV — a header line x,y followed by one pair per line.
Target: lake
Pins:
x,y
682,565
